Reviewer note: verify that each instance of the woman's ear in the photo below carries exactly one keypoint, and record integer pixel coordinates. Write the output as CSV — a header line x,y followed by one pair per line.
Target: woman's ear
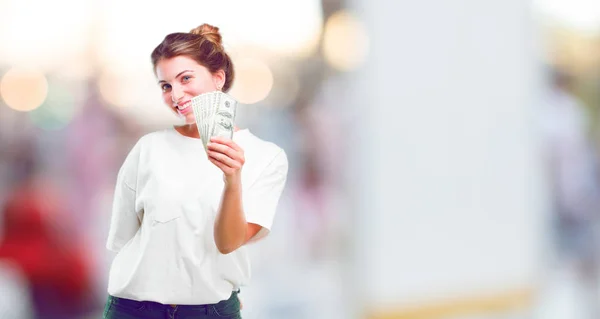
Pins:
x,y
219,79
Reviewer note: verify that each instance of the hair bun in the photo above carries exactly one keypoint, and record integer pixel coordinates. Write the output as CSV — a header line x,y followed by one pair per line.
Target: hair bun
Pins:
x,y
209,32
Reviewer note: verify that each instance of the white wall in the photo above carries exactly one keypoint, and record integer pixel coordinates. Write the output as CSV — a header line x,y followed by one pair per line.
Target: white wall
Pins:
x,y
449,189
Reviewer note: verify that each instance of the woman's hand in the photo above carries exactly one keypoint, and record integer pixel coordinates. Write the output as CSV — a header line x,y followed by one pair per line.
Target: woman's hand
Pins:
x,y
228,157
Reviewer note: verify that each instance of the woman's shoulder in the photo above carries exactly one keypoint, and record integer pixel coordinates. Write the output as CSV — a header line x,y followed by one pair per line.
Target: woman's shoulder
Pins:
x,y
151,138
261,156
256,146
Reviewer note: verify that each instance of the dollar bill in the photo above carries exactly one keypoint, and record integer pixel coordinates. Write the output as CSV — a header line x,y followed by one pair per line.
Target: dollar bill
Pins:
x,y
214,113
201,106
224,118
198,114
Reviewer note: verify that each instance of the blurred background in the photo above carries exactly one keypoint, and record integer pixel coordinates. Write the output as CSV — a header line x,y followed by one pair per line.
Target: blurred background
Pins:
x,y
443,154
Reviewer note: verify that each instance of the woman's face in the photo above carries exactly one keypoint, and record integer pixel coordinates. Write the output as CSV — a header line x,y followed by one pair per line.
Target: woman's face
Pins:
x,y
180,79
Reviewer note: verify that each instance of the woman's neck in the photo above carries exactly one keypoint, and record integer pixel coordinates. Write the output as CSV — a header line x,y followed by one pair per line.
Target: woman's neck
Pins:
x,y
191,130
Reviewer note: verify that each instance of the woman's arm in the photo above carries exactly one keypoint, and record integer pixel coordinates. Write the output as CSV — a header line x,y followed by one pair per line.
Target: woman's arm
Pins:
x,y
231,230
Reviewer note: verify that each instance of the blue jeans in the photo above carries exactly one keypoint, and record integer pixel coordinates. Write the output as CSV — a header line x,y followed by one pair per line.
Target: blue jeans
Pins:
x,y
119,308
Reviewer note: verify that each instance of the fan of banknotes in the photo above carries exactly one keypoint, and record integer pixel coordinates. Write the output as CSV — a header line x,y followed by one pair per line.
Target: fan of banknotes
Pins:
x,y
215,115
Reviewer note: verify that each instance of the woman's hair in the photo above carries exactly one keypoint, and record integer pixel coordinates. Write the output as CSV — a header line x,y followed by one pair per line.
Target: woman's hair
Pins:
x,y
203,44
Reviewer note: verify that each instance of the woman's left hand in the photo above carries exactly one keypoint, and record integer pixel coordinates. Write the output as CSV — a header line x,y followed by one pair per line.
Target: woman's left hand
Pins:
x,y
228,157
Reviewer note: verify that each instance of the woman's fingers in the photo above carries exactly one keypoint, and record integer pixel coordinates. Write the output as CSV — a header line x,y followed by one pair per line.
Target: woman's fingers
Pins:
x,y
228,142
226,150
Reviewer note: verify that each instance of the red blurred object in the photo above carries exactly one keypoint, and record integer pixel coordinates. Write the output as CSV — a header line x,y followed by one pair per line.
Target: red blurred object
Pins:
x,y
56,268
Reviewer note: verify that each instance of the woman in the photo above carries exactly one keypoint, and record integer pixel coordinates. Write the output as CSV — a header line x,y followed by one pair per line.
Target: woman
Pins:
x,y
181,215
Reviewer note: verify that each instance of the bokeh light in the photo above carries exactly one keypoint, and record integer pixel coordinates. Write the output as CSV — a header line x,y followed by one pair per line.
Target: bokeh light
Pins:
x,y
254,81
111,90
129,88
23,89
345,41
57,110
286,86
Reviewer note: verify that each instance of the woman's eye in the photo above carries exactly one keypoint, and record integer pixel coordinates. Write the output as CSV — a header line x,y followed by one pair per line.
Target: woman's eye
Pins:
x,y
186,78
166,87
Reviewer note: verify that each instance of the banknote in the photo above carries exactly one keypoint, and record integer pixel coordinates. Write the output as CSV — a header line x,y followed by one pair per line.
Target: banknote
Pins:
x,y
224,117
214,113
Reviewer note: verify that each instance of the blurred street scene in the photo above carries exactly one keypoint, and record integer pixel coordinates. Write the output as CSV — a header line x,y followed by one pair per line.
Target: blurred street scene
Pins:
x,y
444,156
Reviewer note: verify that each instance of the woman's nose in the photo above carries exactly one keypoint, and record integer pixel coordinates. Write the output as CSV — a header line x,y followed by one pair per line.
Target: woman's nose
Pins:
x,y
176,94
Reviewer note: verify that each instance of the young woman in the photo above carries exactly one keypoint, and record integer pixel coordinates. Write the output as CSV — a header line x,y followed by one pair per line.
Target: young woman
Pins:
x,y
181,215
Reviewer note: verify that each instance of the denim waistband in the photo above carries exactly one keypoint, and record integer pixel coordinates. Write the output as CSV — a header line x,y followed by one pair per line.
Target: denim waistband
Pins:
x,y
152,304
